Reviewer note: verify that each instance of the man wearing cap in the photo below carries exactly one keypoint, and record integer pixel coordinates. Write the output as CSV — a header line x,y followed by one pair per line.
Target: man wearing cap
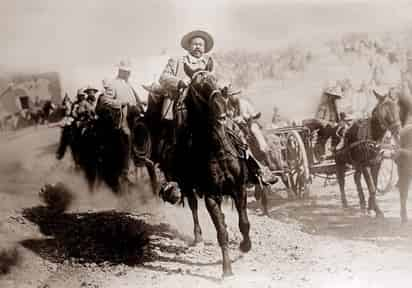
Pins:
x,y
174,78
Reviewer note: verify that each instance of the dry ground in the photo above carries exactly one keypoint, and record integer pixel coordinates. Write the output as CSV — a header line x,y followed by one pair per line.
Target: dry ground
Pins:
x,y
304,243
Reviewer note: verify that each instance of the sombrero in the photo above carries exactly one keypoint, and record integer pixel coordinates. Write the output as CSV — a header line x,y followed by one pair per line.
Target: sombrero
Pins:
x,y
80,92
335,91
90,89
381,90
195,34
228,90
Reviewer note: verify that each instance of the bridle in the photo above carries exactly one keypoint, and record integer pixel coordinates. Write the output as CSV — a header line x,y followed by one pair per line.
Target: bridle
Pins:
x,y
198,97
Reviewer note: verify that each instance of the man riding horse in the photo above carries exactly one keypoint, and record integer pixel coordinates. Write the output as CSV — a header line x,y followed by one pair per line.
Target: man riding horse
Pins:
x,y
244,115
174,82
113,105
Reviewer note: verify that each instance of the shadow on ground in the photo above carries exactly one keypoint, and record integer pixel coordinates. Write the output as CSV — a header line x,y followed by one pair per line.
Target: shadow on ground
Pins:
x,y
108,237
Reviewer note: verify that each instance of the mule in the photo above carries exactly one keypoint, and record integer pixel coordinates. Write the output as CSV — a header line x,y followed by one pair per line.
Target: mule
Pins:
x,y
361,150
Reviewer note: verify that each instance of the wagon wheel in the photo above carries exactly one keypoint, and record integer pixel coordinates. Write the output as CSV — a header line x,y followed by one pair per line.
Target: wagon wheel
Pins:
x,y
387,176
298,164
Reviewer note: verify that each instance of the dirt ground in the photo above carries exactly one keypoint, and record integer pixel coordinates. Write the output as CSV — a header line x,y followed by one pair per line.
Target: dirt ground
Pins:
x,y
304,243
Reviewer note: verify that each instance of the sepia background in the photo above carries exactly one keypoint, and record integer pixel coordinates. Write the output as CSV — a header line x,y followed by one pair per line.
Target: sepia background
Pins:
x,y
299,44
281,54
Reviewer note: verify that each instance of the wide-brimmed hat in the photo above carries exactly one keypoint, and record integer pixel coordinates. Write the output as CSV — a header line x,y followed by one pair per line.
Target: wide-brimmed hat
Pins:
x,y
381,90
230,91
125,65
335,91
195,34
90,89
80,92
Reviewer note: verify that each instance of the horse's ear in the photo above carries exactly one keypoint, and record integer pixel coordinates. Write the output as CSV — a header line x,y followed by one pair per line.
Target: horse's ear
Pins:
x,y
189,71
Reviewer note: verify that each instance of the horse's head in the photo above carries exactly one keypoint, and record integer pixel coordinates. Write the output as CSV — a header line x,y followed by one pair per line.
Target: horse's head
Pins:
x,y
205,97
385,116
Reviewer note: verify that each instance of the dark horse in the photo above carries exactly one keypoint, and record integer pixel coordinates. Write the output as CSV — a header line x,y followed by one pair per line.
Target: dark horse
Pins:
x,y
361,150
205,161
400,125
103,151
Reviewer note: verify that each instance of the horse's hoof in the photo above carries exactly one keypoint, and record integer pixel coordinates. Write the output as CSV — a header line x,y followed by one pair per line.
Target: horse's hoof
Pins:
x,y
380,216
197,242
227,274
245,246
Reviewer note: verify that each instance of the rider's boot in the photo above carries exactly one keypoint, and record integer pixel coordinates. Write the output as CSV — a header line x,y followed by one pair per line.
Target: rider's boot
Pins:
x,y
262,171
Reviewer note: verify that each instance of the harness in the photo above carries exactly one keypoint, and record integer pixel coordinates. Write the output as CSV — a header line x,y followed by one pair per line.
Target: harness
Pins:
x,y
198,101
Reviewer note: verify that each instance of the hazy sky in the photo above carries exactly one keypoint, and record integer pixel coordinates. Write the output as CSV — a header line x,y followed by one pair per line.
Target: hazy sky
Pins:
x,y
81,33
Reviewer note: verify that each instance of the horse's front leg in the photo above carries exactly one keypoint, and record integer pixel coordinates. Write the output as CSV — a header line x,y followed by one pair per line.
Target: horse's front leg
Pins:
x,y
357,178
213,206
372,205
244,226
197,231
154,182
340,175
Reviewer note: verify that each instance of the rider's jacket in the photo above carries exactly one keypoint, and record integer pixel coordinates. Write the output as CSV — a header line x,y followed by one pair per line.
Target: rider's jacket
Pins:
x,y
174,72
123,92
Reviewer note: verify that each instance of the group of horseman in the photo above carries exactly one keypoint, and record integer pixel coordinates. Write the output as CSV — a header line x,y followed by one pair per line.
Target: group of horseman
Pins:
x,y
172,87
118,96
